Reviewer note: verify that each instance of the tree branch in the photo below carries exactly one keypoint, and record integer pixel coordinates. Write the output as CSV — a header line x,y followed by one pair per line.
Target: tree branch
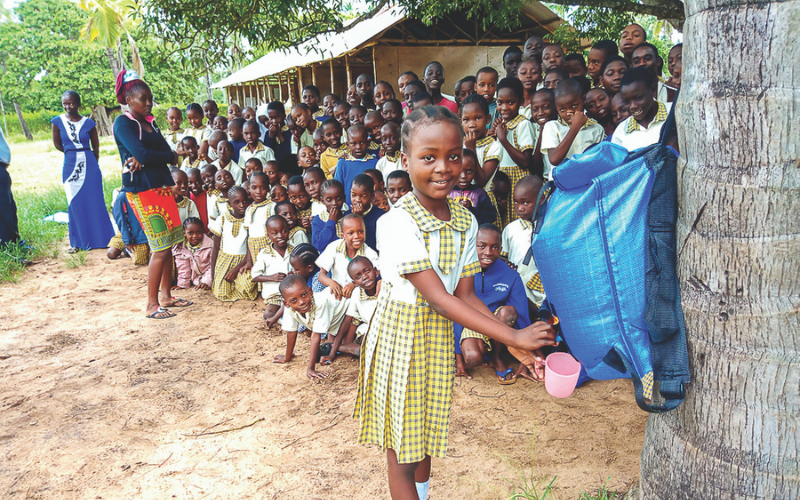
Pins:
x,y
671,9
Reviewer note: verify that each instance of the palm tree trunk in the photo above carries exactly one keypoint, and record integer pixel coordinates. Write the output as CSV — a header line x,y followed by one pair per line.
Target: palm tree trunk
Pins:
x,y
100,116
737,435
113,61
25,129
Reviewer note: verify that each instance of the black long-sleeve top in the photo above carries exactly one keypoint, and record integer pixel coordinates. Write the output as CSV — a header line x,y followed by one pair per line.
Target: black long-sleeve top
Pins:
x,y
149,148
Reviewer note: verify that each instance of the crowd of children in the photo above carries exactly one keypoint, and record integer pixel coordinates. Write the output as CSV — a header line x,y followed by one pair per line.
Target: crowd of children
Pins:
x,y
316,208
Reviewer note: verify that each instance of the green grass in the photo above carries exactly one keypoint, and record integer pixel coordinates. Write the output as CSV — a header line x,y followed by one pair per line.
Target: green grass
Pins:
x,y
76,259
530,488
602,494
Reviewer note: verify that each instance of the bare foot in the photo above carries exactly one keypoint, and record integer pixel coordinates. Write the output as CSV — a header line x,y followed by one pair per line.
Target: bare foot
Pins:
x,y
351,349
460,370
281,358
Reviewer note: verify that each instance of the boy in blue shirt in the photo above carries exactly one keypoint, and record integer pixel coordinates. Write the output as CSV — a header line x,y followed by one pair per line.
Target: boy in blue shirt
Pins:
x,y
357,160
501,289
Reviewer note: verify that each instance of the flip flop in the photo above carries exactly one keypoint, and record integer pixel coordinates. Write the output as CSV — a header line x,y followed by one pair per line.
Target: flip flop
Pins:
x,y
176,301
161,310
501,377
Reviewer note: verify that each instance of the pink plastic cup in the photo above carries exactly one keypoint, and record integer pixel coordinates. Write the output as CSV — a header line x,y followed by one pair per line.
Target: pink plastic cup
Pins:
x,y
561,373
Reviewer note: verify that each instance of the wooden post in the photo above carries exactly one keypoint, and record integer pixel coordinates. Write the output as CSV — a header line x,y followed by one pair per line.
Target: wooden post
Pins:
x,y
280,88
258,91
374,66
241,96
269,92
313,75
331,64
299,80
349,76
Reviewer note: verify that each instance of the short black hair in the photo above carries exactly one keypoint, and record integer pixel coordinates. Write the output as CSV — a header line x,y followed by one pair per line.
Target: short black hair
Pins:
x,y
255,160
365,181
476,99
258,174
358,260
399,174
314,89
570,87
306,254
610,47
285,203
418,84
342,103
193,220
290,281
77,97
331,122
511,83
648,45
296,180
352,216
190,139
471,154
275,218
237,122
194,107
331,184
576,57
563,74
374,171
395,102
610,60
488,226
411,73
331,94
277,106
422,96
640,74
237,190
314,170
487,69
357,129
529,182
513,49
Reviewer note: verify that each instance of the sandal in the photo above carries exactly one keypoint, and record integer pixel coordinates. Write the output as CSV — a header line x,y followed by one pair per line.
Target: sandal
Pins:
x,y
178,302
501,377
161,313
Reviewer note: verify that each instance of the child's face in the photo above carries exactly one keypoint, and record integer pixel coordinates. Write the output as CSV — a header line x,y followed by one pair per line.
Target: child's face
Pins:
x,y
511,63
298,267
342,115
181,186
224,152
352,96
390,140
258,189
391,112
313,181
433,160
374,123
311,99
598,105
379,185
421,103
612,76
676,74
463,90
356,116
357,143
409,93
211,111
525,201
486,85
191,149
467,173
278,233
195,183
195,118
209,178
289,213
551,81
220,123
298,196
353,233
273,174
631,36
619,111
71,106
396,189
382,93
567,105
530,74
675,55
299,298
332,136
488,245
329,102
433,77
238,204
223,181
284,179
507,104
278,194
403,81
364,87
552,57
251,133
301,117
319,143
574,68
193,234
364,275
595,60
474,119
639,99
646,58
361,195
306,157
333,197
500,189
174,118
235,132
533,46
380,200
250,167
249,114
234,111
275,118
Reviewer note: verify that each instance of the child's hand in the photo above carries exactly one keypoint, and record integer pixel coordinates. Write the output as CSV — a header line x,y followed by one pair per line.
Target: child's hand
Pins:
x,y
202,286
273,129
470,138
133,164
336,290
348,290
306,222
281,358
357,208
335,213
231,275
326,360
270,322
245,268
465,202
276,277
501,131
536,376
578,120
313,374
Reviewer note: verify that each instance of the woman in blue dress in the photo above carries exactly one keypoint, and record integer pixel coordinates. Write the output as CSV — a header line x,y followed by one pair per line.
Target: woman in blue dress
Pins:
x,y
76,136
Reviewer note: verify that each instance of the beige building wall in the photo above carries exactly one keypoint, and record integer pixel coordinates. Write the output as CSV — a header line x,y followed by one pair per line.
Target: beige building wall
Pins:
x,y
458,62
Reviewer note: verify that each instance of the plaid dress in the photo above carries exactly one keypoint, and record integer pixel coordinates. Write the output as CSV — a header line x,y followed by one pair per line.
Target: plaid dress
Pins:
x,y
232,251
522,136
405,385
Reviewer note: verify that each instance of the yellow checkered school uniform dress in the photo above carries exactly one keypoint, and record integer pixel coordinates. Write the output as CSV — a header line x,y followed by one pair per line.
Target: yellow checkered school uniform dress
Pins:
x,y
232,251
521,135
405,385
488,149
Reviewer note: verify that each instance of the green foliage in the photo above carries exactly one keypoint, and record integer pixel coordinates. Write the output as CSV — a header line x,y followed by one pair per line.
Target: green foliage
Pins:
x,y
602,493
76,259
38,122
529,488
592,23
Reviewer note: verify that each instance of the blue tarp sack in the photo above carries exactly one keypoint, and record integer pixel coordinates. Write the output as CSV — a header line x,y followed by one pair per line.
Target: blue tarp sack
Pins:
x,y
604,244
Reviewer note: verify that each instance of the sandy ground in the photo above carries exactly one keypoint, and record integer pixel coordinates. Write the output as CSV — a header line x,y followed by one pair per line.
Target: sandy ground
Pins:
x,y
96,402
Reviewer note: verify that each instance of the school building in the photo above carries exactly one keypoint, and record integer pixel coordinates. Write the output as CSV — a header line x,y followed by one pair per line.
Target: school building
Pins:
x,y
385,45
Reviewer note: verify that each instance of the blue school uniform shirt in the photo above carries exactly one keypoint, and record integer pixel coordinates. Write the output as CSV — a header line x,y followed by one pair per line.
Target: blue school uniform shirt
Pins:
x,y
129,228
281,149
497,286
237,147
324,232
347,170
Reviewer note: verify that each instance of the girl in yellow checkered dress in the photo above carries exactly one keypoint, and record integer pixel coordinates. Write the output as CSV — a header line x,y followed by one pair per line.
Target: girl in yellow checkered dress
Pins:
x,y
428,258
229,256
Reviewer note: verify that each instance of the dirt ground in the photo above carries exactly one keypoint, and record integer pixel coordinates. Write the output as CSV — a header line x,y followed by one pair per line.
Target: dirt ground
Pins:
x,y
98,402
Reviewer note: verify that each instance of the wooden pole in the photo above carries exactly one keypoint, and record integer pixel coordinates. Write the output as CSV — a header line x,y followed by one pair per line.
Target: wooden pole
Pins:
x,y
374,66
299,79
258,91
331,64
349,76
313,75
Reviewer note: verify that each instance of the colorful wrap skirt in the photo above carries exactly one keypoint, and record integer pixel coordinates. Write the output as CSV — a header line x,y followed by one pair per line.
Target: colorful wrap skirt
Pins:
x,y
157,212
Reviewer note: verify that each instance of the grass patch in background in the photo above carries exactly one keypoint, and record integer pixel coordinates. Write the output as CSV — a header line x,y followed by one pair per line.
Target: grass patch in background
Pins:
x,y
76,259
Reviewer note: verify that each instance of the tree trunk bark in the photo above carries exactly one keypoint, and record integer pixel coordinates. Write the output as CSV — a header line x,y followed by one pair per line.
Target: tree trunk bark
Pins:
x,y
25,129
100,116
113,62
737,435
209,92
